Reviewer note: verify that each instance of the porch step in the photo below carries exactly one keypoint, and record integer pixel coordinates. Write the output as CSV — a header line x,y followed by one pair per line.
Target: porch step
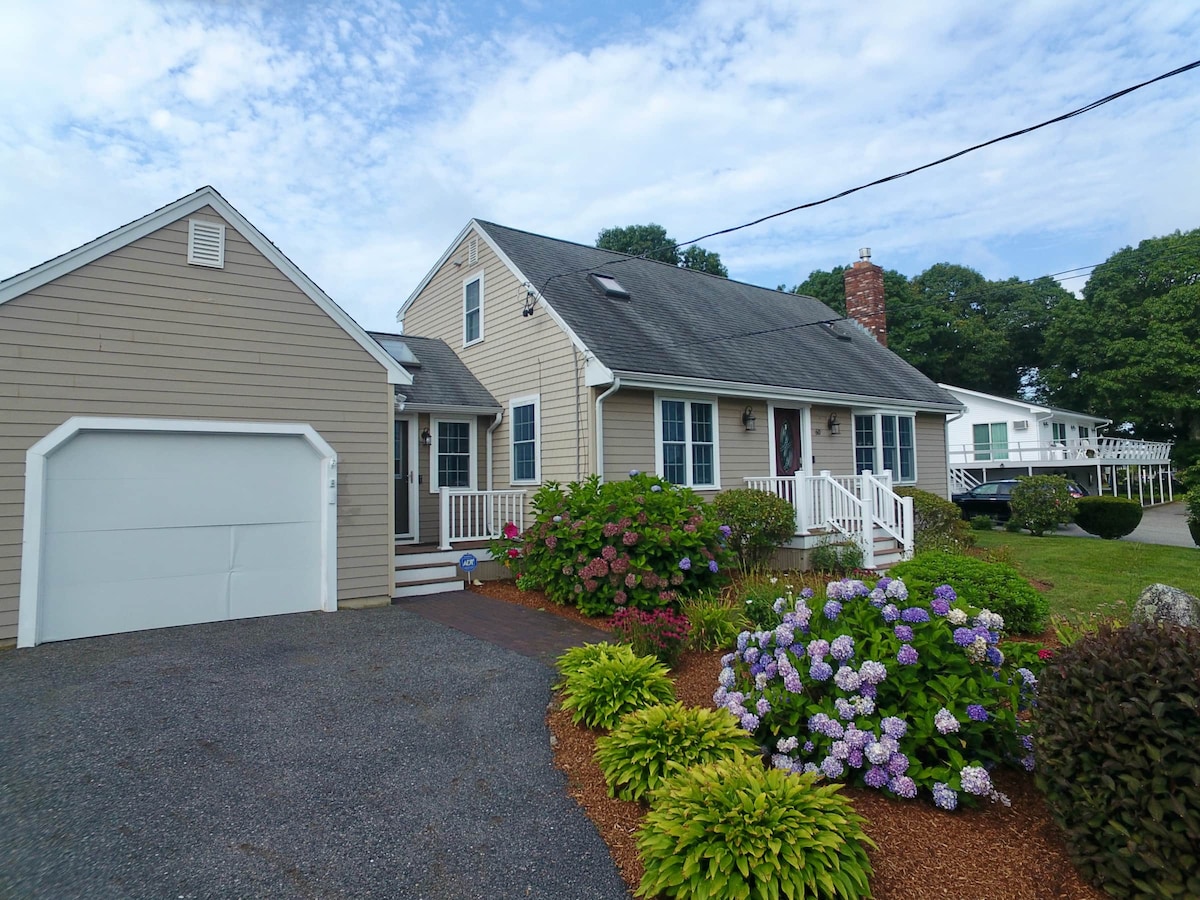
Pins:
x,y
420,589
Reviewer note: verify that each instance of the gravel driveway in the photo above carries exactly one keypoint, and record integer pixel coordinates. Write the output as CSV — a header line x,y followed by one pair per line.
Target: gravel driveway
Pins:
x,y
359,754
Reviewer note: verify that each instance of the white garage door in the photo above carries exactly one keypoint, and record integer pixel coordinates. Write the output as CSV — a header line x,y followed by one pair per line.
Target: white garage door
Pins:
x,y
145,529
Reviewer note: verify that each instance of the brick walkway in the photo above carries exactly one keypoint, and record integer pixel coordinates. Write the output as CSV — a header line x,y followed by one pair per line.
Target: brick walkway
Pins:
x,y
538,635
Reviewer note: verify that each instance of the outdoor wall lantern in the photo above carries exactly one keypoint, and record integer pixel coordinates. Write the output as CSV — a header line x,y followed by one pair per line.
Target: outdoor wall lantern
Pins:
x,y
748,418
426,437
835,427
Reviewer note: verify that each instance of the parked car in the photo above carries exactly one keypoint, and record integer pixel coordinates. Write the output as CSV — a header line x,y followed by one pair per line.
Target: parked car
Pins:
x,y
992,499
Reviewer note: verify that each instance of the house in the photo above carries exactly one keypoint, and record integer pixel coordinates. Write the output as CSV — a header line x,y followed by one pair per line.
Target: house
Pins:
x,y
998,437
605,363
190,430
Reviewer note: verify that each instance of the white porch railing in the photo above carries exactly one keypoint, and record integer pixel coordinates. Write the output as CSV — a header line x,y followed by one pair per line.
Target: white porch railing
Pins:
x,y
1099,449
856,506
477,515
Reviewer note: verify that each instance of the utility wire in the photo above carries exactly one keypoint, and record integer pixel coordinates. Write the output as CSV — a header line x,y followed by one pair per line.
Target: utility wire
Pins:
x,y
1095,104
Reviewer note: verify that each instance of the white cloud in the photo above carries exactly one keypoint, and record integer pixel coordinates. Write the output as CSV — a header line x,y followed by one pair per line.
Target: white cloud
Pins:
x,y
361,136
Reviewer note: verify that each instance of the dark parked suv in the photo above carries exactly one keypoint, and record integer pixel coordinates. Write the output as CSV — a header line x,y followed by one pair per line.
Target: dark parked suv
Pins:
x,y
991,499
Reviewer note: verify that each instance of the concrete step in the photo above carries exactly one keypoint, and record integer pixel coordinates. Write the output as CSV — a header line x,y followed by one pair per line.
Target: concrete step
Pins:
x,y
417,590
438,557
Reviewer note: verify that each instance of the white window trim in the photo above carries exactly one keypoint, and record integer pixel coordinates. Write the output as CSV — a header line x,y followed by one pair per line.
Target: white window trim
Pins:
x,y
472,463
878,415
806,435
689,399
535,401
478,276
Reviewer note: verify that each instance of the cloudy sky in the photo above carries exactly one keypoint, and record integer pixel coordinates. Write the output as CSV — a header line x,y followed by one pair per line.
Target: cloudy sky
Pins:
x,y
361,135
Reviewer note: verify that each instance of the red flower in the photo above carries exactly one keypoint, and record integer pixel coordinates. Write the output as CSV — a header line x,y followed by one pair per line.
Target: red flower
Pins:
x,y
511,531
513,552
1045,654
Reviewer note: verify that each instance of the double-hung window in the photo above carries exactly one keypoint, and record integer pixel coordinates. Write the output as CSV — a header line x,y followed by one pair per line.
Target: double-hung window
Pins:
x,y
883,441
1058,432
473,310
524,428
991,441
687,446
453,452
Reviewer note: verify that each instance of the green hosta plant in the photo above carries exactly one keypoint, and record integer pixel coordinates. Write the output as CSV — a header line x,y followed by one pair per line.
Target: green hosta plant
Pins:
x,y
735,830
600,694
650,744
576,659
1117,734
1040,503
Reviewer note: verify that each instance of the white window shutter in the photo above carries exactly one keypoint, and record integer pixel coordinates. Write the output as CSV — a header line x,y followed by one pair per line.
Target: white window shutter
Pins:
x,y
206,243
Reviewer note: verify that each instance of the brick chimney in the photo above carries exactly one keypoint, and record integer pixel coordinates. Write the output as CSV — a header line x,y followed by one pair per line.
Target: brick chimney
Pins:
x,y
864,295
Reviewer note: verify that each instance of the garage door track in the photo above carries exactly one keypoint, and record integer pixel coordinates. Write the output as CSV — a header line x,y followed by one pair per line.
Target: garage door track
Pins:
x,y
361,754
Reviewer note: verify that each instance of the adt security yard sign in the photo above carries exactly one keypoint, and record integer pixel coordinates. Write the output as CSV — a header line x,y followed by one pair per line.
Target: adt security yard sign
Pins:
x,y
467,562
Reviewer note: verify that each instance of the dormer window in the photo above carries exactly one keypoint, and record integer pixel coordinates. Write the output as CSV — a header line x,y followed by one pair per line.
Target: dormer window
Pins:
x,y
610,286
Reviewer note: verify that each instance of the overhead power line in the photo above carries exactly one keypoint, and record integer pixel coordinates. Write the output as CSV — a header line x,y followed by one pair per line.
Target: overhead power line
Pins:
x,y
1095,104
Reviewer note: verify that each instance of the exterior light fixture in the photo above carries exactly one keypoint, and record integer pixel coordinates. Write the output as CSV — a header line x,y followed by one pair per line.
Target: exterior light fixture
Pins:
x,y
426,437
748,418
835,427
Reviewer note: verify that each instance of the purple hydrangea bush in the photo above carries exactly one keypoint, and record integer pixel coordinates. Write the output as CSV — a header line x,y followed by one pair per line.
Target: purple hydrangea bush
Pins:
x,y
877,688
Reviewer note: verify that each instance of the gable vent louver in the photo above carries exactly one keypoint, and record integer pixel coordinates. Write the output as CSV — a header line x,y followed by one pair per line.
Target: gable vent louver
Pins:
x,y
206,244
473,251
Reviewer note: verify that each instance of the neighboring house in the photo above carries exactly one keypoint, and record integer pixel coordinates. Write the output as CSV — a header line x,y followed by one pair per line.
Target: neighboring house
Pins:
x,y
607,363
190,431
998,437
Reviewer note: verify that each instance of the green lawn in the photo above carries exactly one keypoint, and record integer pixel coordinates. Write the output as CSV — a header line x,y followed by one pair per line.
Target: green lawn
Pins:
x,y
1092,576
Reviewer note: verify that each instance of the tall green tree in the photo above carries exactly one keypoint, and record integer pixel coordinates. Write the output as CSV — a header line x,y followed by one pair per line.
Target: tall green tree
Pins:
x,y
653,242
956,326
1129,348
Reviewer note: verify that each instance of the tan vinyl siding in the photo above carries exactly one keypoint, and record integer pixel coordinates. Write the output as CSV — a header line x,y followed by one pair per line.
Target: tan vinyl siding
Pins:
x,y
932,474
139,332
518,356
832,452
744,454
628,434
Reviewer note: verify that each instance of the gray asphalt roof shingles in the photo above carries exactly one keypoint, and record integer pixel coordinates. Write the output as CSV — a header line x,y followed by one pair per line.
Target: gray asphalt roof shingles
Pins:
x,y
441,378
680,322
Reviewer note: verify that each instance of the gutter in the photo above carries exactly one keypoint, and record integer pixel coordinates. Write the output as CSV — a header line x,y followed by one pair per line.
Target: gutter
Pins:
x,y
492,428
616,386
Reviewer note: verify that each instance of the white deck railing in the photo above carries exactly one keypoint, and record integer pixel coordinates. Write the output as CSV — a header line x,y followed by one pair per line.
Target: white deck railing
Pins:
x,y
1087,450
855,506
477,515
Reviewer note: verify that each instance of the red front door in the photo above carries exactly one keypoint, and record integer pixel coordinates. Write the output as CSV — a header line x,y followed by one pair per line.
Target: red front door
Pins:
x,y
789,454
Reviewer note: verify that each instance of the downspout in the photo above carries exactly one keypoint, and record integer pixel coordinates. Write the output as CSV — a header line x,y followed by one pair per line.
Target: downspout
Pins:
x,y
616,386
492,428
949,477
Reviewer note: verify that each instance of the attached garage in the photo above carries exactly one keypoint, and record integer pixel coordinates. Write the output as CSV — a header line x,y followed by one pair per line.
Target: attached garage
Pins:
x,y
191,430
134,524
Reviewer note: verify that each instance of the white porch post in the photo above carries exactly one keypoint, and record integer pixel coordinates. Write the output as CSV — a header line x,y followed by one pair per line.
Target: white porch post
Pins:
x,y
444,518
802,503
866,492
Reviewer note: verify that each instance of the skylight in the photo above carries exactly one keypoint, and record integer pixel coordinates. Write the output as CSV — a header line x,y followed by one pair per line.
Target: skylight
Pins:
x,y
610,286
399,351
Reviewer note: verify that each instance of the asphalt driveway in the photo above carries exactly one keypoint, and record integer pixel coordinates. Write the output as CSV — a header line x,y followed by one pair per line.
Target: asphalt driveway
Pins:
x,y
359,754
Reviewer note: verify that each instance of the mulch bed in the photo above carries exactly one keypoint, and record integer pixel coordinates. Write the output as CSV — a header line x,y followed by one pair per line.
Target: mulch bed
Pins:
x,y
988,853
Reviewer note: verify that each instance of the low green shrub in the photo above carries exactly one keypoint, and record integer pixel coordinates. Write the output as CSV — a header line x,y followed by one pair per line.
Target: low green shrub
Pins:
x,y
1191,502
1040,503
643,543
597,695
735,830
660,633
716,620
836,558
938,523
1117,737
758,596
987,585
650,744
1069,628
576,659
1108,517
759,523
982,523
